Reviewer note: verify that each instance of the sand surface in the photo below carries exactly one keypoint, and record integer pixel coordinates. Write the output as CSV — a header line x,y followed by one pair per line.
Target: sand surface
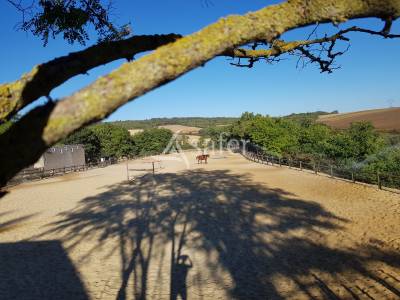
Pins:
x,y
231,229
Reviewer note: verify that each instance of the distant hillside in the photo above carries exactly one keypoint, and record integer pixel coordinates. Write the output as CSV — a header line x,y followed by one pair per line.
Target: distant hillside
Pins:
x,y
182,129
187,121
309,115
383,119
387,119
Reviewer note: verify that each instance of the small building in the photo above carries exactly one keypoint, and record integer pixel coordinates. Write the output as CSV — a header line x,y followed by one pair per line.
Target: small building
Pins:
x,y
62,156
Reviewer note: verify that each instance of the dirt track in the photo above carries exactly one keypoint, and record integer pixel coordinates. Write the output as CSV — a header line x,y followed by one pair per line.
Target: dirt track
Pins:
x,y
229,229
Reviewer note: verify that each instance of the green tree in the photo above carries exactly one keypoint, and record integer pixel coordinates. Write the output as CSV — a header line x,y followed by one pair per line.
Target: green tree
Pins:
x,y
276,136
89,140
218,135
364,140
314,140
242,128
386,161
340,148
115,141
152,141
47,19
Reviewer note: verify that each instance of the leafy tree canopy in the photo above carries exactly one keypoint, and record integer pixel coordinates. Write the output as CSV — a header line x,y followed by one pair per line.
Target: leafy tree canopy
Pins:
x,y
71,19
115,141
89,140
152,141
309,140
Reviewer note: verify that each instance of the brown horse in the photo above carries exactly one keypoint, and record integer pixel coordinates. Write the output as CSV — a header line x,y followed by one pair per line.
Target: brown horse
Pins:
x,y
202,157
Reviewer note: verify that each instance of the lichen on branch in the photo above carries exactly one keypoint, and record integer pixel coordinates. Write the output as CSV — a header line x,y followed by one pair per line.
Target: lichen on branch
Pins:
x,y
42,79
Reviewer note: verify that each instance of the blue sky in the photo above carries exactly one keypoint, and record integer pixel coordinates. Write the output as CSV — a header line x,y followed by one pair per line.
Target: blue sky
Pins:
x,y
369,77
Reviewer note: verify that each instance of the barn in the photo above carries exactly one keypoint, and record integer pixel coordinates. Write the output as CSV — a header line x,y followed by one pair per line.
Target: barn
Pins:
x,y
61,156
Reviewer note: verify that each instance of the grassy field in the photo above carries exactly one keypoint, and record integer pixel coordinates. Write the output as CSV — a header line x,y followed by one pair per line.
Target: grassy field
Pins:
x,y
383,119
181,129
231,229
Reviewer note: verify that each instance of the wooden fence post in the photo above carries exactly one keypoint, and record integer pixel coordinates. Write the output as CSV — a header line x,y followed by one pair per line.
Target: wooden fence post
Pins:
x,y
379,180
301,166
353,178
315,169
331,171
280,162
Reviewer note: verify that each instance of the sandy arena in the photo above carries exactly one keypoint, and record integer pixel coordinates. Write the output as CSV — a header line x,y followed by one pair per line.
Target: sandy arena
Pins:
x,y
231,229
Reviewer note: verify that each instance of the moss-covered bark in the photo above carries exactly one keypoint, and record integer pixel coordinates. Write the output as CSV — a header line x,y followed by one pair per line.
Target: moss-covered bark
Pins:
x,y
132,80
45,77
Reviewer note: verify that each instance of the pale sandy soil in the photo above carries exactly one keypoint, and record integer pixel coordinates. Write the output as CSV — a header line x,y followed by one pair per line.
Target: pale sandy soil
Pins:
x,y
231,229
194,140
135,131
181,129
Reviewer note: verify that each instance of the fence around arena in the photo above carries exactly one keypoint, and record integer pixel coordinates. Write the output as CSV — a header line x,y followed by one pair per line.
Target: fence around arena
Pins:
x,y
41,173
380,179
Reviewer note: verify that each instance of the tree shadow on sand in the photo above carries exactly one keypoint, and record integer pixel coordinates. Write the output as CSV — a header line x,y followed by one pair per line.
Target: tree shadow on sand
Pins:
x,y
39,270
270,243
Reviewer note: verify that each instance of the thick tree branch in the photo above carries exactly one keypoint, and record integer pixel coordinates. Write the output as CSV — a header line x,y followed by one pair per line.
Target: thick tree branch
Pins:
x,y
44,126
279,47
45,77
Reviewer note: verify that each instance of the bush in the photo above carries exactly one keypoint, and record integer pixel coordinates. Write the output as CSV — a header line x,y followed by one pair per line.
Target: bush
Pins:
x,y
152,141
90,142
115,141
359,149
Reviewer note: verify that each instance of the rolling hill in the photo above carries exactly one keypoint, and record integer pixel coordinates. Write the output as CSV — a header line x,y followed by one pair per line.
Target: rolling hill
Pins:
x,y
182,129
387,119
201,122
